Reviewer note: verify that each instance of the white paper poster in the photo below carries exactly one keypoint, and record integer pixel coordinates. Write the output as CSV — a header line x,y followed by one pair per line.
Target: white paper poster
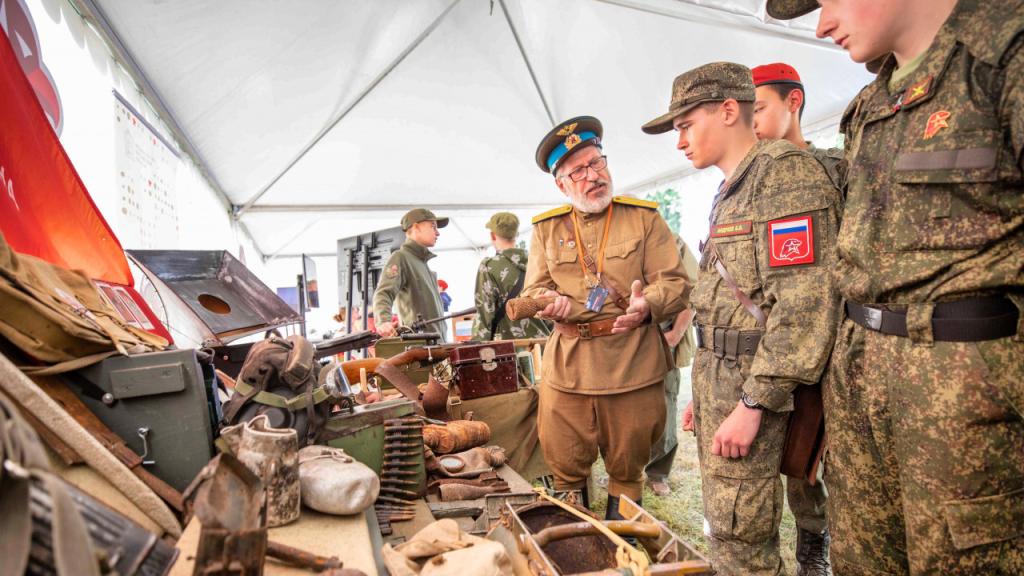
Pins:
x,y
146,171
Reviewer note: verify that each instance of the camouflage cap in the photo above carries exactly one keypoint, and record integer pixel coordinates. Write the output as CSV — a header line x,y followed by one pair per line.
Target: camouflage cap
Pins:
x,y
715,82
417,215
504,224
789,9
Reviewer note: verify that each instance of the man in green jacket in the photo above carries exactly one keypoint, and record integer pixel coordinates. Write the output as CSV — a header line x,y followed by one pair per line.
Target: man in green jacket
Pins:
x,y
499,279
407,283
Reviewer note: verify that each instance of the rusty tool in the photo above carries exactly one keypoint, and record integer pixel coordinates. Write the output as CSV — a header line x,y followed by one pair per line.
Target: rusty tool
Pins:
x,y
301,558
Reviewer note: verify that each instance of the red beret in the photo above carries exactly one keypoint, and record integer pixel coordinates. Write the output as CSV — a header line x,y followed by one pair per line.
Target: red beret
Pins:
x,y
776,73
442,284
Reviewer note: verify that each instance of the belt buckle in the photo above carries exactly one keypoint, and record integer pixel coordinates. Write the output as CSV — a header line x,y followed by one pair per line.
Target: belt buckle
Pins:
x,y
872,317
584,331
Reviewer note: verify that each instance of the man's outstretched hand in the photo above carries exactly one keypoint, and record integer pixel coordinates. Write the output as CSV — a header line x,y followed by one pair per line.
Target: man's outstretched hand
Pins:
x,y
637,312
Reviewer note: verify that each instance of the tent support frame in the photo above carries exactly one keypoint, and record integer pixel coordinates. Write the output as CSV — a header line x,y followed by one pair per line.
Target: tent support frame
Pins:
x,y
240,210
526,60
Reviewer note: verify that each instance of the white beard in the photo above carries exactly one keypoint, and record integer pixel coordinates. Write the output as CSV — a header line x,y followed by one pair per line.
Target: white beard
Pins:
x,y
588,206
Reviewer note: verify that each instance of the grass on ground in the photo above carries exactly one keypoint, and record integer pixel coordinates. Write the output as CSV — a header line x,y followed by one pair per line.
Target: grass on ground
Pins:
x,y
682,510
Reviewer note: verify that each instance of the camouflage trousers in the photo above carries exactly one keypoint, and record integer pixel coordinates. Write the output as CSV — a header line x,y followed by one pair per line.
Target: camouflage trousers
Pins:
x,y
743,497
925,456
664,450
807,503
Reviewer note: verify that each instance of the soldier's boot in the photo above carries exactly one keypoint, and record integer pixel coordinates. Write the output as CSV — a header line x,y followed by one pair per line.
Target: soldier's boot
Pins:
x,y
612,513
812,553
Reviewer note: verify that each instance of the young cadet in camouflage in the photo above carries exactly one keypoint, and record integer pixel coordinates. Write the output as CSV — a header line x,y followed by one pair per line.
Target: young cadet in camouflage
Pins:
x,y
603,367
778,110
766,311
496,279
407,282
924,402
679,335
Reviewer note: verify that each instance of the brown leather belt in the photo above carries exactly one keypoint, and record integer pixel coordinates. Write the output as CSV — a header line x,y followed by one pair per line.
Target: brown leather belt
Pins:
x,y
728,342
585,330
968,320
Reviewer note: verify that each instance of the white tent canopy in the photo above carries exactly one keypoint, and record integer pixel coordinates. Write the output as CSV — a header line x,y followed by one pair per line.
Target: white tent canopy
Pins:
x,y
319,119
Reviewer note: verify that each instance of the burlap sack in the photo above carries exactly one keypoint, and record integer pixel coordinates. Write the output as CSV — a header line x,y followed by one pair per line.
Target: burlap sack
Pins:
x,y
58,316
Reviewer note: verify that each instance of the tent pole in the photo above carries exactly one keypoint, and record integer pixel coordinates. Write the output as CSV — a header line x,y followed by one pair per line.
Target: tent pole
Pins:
x,y
526,59
240,210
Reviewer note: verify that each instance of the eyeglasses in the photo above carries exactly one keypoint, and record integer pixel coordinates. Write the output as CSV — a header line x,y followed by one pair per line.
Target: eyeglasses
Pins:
x,y
597,164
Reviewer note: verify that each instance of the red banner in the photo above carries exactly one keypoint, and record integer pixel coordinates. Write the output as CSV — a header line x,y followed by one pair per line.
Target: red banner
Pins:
x,y
45,210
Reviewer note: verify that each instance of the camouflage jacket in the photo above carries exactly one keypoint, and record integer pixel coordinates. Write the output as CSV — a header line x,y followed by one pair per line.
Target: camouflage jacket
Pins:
x,y
495,278
409,285
935,209
834,161
774,226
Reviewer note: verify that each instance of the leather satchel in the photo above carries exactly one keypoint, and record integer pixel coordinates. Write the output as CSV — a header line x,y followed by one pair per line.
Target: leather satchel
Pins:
x,y
805,437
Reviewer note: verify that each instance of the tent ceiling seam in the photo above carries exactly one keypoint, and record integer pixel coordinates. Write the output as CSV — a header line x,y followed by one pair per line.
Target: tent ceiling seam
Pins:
x,y
91,12
526,60
326,208
762,28
240,210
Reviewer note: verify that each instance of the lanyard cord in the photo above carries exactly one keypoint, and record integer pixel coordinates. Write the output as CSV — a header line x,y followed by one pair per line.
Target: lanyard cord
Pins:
x,y
604,241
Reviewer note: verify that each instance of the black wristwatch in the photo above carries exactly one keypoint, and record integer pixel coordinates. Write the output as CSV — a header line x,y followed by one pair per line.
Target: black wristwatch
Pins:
x,y
750,402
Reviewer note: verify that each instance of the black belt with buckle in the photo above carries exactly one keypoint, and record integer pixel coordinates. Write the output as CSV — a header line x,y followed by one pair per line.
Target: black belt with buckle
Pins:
x,y
968,320
728,342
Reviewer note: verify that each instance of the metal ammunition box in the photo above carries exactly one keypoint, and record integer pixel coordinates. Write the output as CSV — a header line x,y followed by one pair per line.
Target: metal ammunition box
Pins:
x,y
158,403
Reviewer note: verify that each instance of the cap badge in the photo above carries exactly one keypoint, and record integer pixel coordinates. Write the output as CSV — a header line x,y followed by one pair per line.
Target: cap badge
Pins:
x,y
567,129
936,122
571,141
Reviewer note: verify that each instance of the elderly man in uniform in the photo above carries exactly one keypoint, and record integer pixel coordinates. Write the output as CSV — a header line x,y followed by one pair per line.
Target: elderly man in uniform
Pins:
x,y
766,311
925,395
407,282
778,111
499,279
608,263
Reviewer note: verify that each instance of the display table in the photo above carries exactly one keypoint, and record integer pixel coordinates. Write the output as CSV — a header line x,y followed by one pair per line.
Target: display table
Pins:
x,y
353,539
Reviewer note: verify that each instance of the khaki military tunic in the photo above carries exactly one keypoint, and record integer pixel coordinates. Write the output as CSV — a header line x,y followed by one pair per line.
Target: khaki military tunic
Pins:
x,y
924,463
409,285
604,395
640,247
756,231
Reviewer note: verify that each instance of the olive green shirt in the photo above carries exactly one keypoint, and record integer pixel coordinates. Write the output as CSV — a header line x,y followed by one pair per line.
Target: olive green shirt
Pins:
x,y
409,285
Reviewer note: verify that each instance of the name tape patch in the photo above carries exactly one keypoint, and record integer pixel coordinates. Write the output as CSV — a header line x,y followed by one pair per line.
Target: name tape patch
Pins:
x,y
791,241
731,229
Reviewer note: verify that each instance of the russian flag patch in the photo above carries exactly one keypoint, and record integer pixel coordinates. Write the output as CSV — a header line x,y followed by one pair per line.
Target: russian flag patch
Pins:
x,y
791,241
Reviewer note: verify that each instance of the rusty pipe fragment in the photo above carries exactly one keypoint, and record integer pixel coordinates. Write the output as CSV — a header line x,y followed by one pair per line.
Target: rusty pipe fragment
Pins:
x,y
525,307
621,527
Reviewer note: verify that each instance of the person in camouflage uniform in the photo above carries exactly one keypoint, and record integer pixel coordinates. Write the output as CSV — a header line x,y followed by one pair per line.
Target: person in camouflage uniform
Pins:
x,y
766,311
777,113
499,279
925,393
680,337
